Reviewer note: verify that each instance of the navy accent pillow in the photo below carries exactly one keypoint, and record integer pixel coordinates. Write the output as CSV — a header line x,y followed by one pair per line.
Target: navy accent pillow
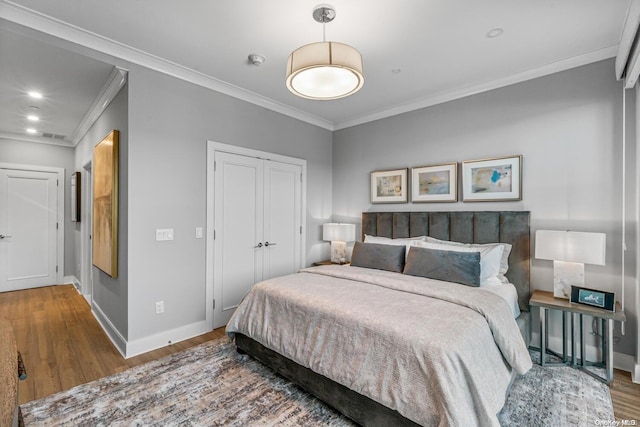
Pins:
x,y
378,256
450,266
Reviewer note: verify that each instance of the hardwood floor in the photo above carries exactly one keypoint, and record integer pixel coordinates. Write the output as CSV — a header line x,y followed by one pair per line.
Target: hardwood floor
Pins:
x,y
63,346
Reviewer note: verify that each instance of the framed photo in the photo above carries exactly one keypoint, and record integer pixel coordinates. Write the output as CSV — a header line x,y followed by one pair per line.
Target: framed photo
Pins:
x,y
438,183
389,186
595,298
492,180
105,204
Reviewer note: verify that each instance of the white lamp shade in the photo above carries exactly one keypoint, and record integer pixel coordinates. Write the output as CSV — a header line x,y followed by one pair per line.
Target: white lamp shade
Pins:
x,y
325,70
571,246
337,232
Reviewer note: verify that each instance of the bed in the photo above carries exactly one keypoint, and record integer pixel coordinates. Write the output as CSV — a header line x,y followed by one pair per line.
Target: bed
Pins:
x,y
386,348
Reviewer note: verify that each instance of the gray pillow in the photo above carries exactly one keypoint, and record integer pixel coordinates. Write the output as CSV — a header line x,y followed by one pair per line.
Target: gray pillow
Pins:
x,y
450,266
378,256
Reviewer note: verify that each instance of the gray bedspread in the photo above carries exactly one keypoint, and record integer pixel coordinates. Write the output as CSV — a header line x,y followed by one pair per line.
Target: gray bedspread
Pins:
x,y
437,352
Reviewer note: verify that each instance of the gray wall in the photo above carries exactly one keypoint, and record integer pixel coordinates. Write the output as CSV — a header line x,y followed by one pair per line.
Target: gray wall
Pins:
x,y
169,123
567,126
111,295
31,153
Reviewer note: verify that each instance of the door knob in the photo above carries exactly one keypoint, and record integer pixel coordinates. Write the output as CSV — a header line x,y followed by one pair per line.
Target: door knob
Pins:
x,y
2,236
270,244
259,245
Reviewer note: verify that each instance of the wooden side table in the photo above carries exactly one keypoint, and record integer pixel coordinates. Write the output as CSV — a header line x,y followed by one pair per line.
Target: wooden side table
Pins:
x,y
545,300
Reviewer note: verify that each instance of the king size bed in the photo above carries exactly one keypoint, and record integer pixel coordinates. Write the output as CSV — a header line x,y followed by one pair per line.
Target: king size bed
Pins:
x,y
428,326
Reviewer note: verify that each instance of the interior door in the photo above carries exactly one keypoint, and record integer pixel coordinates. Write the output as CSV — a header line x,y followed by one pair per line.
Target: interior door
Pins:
x,y
28,229
282,218
238,245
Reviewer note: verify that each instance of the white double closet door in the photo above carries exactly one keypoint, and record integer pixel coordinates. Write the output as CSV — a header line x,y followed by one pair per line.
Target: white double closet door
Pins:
x,y
258,226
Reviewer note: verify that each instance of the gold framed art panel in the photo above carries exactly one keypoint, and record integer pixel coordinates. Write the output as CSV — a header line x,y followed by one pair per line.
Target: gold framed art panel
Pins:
x,y
105,204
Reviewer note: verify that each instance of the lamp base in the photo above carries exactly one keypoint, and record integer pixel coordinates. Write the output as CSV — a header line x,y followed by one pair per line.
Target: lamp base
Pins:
x,y
338,252
565,275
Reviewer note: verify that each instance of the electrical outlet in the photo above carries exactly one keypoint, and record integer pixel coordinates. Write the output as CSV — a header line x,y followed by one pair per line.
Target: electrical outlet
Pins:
x,y
159,307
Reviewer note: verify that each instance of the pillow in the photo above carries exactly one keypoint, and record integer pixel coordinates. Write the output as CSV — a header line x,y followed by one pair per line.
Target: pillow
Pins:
x,y
403,241
490,257
504,262
388,241
451,266
378,256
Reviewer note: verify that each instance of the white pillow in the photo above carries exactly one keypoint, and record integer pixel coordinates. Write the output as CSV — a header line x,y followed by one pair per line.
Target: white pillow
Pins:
x,y
396,242
504,261
406,241
490,258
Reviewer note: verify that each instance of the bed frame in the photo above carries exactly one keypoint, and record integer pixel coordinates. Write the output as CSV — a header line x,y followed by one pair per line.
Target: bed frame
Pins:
x,y
467,227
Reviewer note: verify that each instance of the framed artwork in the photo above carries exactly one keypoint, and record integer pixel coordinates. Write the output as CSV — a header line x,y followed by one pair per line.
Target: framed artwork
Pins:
x,y
601,299
492,180
105,204
389,186
76,190
437,183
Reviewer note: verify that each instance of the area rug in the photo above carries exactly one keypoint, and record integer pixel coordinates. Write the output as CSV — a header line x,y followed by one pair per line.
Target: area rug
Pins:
x,y
212,384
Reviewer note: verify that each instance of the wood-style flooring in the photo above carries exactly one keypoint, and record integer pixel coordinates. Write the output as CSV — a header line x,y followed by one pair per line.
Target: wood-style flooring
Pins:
x,y
63,346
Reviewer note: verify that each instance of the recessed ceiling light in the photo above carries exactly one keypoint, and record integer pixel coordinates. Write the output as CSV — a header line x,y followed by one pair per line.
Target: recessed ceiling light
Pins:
x,y
496,32
32,131
36,95
33,118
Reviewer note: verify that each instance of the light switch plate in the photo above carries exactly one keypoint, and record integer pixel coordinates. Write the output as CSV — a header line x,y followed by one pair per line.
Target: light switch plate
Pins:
x,y
164,234
199,234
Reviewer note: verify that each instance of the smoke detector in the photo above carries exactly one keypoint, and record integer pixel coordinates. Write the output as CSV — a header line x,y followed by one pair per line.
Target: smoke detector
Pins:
x,y
256,59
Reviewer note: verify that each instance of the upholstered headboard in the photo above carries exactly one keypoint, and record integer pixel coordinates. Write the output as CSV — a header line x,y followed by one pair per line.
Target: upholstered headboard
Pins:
x,y
466,227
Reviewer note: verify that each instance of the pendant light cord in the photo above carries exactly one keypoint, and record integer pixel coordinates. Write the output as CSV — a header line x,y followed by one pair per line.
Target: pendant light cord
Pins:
x,y
324,23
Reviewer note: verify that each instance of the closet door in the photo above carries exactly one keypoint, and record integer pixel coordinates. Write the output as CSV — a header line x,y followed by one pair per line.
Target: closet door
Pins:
x,y
282,218
239,239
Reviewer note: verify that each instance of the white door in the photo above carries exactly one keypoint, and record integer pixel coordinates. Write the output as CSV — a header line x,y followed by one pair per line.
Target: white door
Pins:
x,y
238,248
258,226
28,229
282,218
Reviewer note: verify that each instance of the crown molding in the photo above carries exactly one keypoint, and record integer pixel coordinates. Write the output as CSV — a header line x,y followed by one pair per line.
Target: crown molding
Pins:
x,y
37,139
44,23
116,81
428,101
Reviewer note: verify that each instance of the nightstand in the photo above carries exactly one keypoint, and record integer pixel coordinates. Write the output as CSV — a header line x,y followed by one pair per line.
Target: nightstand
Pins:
x,y
328,262
545,300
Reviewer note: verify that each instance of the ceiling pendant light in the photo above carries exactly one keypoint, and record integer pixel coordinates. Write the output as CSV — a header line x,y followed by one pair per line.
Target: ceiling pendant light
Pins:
x,y
324,70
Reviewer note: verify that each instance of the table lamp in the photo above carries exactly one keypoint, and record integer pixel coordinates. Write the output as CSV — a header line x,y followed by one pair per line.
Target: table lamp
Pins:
x,y
339,234
569,251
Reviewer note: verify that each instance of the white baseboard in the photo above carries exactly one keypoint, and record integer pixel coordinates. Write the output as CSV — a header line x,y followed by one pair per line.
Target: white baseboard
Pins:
x,y
162,339
73,280
114,335
152,342
635,374
621,361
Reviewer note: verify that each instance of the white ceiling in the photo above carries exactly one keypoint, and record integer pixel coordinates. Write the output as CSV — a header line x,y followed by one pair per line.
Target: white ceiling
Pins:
x,y
440,47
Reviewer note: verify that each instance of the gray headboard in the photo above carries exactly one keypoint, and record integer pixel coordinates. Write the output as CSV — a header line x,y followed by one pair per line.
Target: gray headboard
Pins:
x,y
466,227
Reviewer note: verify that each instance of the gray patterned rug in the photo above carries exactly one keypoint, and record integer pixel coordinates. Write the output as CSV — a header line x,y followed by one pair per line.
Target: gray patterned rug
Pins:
x,y
213,385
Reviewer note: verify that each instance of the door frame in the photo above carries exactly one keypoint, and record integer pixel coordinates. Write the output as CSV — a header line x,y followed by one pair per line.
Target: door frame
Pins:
x,y
60,218
86,227
212,148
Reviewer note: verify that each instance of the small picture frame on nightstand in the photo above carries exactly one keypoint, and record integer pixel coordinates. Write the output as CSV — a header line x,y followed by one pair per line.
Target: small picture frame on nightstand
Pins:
x,y
593,297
